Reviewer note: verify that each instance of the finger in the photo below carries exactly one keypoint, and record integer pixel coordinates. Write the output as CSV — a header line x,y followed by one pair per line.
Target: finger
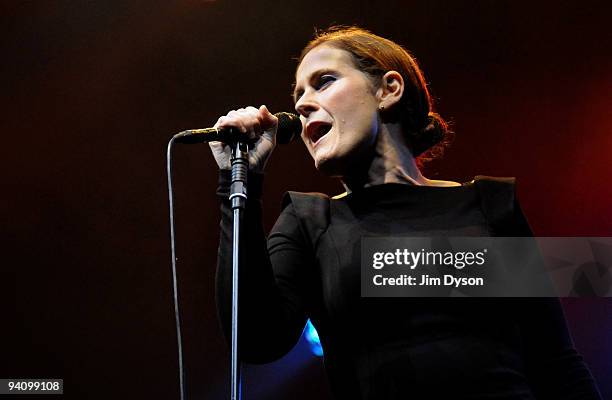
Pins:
x,y
254,128
268,120
235,124
249,119
245,120
252,120
220,122
235,119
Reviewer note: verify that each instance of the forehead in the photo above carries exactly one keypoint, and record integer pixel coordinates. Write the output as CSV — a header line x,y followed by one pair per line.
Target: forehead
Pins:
x,y
323,57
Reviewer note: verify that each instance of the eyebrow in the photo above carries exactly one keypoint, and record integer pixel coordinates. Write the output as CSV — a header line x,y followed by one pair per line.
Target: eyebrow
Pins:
x,y
316,74
293,92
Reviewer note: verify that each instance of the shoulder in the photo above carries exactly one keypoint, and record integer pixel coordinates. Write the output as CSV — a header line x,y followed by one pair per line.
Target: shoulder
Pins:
x,y
311,211
499,180
496,190
301,199
503,181
500,205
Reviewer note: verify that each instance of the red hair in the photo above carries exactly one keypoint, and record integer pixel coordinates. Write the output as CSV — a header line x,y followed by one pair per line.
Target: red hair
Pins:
x,y
426,132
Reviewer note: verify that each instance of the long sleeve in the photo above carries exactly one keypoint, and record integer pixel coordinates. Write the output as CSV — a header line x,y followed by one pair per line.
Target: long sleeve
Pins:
x,y
272,277
554,368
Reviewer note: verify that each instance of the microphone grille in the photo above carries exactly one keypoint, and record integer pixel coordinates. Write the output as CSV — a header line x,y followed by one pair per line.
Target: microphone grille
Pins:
x,y
289,126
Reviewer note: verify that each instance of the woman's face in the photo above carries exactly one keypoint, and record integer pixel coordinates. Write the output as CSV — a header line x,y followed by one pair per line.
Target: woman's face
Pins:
x,y
338,106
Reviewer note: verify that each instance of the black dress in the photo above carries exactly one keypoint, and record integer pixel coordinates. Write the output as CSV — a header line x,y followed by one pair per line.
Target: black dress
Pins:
x,y
394,348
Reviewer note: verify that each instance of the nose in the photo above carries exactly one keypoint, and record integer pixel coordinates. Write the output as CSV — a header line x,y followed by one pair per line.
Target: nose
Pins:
x,y
305,105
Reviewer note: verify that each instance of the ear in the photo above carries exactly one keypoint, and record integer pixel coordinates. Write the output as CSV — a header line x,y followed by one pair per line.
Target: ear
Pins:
x,y
391,90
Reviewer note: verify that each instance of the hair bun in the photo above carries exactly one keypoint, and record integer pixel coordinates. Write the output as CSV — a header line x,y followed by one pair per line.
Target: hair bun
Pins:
x,y
425,132
434,132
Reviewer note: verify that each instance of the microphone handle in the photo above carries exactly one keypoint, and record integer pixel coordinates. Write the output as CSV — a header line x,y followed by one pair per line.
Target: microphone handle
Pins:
x,y
289,126
205,135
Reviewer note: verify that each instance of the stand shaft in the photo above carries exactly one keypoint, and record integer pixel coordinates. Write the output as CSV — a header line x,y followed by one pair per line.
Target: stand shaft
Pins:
x,y
238,197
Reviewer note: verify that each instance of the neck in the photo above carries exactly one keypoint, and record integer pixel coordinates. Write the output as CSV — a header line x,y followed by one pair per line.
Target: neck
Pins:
x,y
392,162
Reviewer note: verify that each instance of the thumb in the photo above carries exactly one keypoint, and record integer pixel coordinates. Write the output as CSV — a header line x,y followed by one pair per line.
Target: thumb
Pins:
x,y
267,119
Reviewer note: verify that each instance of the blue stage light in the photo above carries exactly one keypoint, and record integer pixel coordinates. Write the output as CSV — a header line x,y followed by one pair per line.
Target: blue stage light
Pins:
x,y
312,337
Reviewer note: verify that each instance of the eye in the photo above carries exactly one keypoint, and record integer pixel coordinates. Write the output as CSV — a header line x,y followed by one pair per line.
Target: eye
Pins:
x,y
324,81
296,96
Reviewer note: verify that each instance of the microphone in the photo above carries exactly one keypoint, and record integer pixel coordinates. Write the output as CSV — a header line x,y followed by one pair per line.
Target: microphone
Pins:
x,y
289,126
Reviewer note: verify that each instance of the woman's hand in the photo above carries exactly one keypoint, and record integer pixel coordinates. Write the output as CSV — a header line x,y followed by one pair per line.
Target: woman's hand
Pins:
x,y
253,123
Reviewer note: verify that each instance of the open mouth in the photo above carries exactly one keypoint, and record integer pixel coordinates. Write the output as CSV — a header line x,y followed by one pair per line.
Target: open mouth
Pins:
x,y
318,130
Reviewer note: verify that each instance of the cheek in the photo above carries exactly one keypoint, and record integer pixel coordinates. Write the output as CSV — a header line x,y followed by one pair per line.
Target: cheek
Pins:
x,y
360,110
363,121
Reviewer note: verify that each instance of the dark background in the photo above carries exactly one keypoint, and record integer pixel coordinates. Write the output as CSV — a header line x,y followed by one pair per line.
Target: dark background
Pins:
x,y
92,91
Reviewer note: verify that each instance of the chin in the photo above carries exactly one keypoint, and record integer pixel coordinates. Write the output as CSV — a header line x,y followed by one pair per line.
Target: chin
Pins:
x,y
331,167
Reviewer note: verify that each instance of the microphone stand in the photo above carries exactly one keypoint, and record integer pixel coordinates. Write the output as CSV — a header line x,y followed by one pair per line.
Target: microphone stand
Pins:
x,y
289,125
238,198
